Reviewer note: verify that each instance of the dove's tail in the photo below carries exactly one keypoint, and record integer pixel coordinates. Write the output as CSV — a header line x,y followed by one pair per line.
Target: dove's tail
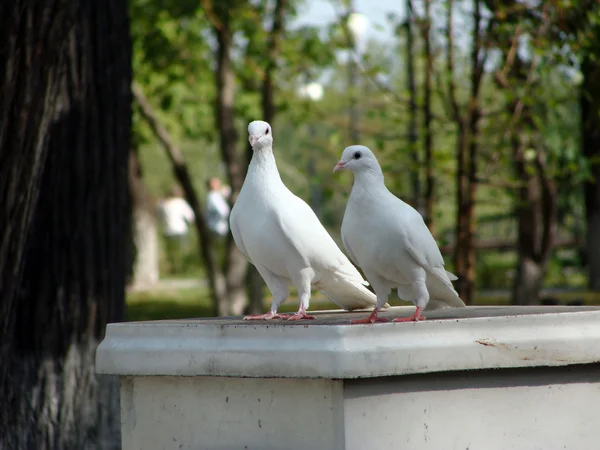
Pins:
x,y
442,292
348,291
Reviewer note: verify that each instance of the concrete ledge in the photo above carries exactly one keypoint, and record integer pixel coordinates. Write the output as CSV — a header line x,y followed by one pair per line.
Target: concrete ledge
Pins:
x,y
471,338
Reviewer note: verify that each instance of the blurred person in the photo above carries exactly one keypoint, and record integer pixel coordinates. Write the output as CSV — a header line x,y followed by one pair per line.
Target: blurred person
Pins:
x,y
176,216
217,208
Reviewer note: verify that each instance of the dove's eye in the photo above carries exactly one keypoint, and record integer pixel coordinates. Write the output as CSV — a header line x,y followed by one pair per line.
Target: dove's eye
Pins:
x,y
267,132
357,155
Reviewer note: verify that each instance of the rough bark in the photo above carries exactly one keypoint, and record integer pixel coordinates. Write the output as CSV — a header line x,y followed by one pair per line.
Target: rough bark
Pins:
x,y
235,264
216,279
590,139
145,232
65,226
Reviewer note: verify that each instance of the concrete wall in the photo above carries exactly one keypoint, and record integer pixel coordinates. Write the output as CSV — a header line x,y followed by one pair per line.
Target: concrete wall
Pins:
x,y
216,413
520,409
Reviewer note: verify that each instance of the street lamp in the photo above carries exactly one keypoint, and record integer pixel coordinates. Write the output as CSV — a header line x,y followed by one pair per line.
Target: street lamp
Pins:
x,y
312,91
358,25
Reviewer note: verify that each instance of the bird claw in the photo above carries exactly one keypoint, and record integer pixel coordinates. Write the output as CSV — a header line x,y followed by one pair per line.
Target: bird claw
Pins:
x,y
415,317
267,316
373,318
409,319
300,316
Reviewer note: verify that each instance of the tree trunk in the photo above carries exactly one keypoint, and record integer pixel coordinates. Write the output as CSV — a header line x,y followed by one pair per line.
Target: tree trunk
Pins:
x,y
528,281
415,173
427,119
145,269
65,223
462,247
235,263
590,139
474,114
536,212
466,155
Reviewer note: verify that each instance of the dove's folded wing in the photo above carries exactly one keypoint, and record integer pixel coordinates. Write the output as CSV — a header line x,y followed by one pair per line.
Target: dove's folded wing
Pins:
x,y
305,233
349,251
237,237
422,247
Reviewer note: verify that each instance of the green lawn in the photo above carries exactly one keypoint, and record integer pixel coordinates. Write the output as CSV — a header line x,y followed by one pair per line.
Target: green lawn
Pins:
x,y
195,302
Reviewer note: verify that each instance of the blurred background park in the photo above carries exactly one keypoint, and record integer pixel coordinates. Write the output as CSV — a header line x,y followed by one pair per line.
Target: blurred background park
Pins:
x,y
123,144
483,114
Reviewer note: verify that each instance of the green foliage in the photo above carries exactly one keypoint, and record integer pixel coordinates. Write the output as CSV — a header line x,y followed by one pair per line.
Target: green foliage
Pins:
x,y
174,61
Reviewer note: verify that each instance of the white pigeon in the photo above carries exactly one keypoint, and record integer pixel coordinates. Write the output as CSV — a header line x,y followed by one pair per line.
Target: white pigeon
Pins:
x,y
281,235
389,240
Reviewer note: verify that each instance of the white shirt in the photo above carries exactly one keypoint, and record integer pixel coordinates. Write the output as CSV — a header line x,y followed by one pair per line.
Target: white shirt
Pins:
x,y
176,216
217,213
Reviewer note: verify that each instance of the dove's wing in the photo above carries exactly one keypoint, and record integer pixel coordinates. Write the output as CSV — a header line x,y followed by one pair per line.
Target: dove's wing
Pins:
x,y
349,251
422,247
237,237
307,236
335,275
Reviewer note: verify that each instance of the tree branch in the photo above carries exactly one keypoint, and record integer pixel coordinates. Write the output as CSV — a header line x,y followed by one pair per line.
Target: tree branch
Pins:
x,y
215,278
450,65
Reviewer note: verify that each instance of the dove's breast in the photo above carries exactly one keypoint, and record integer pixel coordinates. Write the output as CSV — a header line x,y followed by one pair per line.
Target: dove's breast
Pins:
x,y
262,237
373,231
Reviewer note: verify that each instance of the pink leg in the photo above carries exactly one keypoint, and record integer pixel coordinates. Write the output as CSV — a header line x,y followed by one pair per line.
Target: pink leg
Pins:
x,y
268,316
301,315
371,319
415,318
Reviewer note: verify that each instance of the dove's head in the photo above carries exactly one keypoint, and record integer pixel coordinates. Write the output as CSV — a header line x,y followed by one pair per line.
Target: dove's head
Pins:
x,y
358,159
260,135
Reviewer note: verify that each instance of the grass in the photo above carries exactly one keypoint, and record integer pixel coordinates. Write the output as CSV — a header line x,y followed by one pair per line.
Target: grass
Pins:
x,y
195,302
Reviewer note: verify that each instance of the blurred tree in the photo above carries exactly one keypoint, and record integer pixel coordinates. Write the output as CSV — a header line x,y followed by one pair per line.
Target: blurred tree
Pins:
x,y
590,126
221,15
467,126
65,117
412,130
427,117
143,204
536,199
216,280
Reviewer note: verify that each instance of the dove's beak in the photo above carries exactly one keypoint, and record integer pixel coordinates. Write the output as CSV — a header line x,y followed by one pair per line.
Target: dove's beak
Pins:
x,y
253,139
339,166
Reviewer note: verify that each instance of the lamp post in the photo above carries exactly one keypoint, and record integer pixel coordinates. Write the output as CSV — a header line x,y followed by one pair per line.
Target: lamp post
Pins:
x,y
357,26
313,92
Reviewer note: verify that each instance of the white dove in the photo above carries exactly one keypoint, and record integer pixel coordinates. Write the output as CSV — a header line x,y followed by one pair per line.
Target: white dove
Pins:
x,y
389,240
281,235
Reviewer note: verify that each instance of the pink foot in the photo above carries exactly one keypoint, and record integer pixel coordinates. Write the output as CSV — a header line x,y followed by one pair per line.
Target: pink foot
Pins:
x,y
300,316
415,318
371,319
268,316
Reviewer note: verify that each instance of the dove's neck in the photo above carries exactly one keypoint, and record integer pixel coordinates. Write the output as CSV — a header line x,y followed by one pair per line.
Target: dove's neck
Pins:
x,y
372,176
263,167
368,182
